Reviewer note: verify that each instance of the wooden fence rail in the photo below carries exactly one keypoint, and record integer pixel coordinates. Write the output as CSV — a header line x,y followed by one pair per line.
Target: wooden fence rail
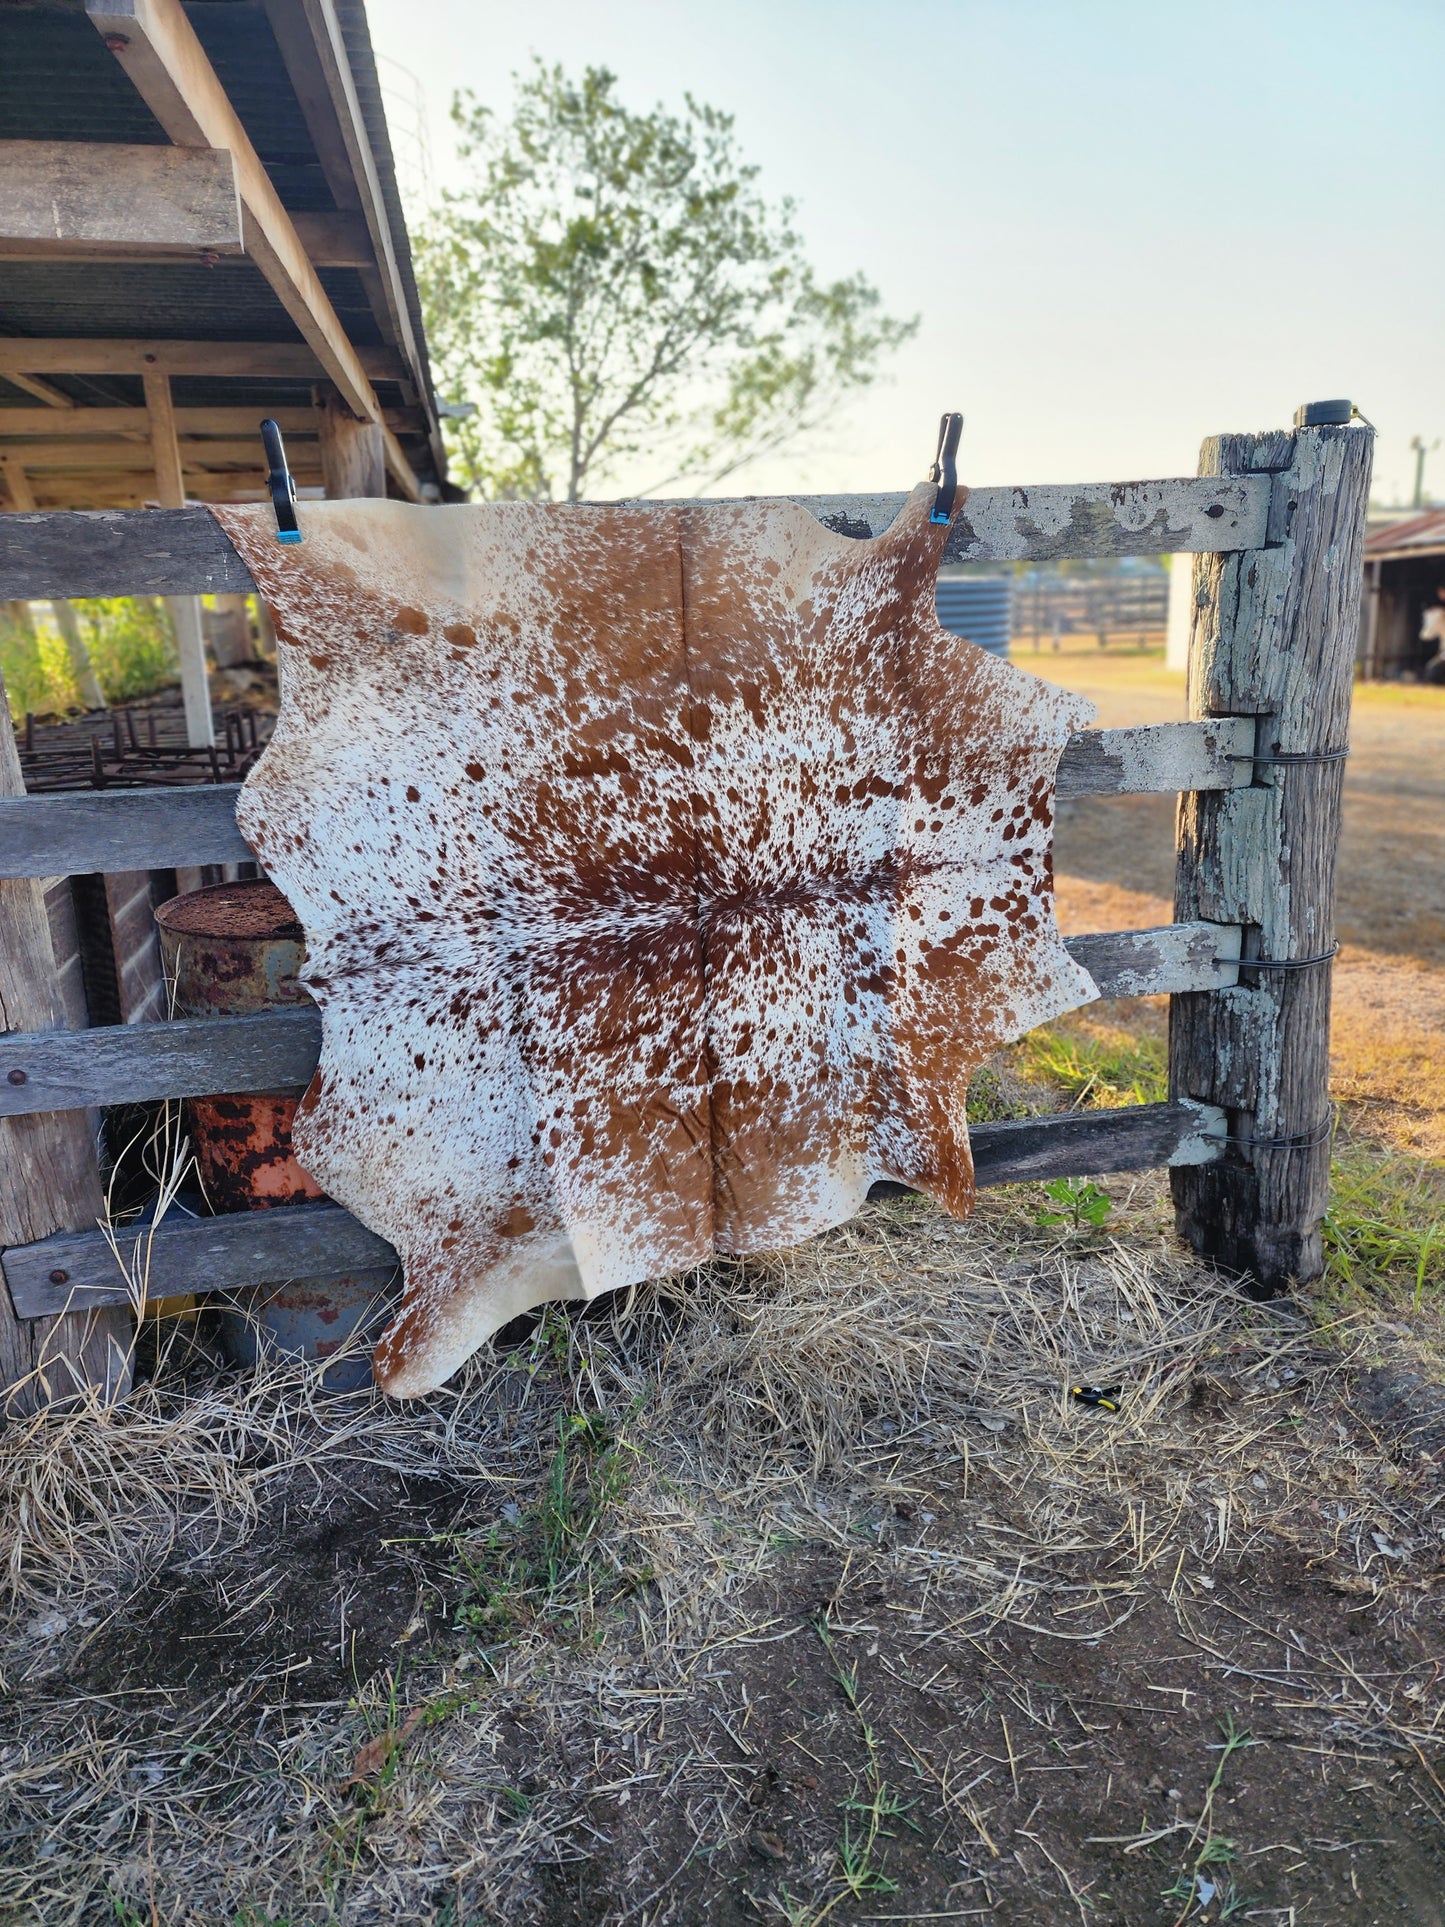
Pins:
x,y
80,1271
74,832
1276,523
61,1070
186,552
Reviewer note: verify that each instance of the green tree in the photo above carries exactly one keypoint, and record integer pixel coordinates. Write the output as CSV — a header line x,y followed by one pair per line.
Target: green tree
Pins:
x,y
610,290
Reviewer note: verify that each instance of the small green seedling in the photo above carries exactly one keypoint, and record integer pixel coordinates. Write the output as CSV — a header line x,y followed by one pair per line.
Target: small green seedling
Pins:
x,y
1076,1202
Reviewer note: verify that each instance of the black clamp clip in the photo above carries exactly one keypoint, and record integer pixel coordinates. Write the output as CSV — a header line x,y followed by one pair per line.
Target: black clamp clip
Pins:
x,y
281,483
945,470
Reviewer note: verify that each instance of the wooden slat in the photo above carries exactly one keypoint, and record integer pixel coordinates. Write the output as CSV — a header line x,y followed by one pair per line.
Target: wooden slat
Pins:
x,y
278,1049
53,422
73,199
112,452
1155,758
30,355
118,552
293,422
185,552
257,1247
1045,523
1152,963
274,1050
75,832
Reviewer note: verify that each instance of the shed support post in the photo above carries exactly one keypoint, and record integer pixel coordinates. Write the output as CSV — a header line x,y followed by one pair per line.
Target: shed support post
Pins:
x,y
49,1180
353,453
1273,637
185,610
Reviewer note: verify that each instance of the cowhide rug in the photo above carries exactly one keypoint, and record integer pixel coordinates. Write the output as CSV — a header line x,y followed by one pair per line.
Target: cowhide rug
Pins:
x,y
665,874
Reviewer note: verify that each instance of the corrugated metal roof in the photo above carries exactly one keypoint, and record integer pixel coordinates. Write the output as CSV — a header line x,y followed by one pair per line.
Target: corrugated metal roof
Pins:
x,y
1422,533
58,82
179,300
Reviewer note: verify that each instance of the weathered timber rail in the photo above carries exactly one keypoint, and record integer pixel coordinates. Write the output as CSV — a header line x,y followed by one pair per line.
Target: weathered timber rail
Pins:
x,y
1276,522
186,552
62,1070
76,1270
78,831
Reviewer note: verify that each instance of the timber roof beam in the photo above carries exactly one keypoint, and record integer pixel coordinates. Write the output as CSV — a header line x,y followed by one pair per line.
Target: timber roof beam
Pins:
x,y
157,47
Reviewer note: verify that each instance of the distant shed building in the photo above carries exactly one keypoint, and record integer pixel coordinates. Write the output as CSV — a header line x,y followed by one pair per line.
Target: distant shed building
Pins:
x,y
1404,568
978,607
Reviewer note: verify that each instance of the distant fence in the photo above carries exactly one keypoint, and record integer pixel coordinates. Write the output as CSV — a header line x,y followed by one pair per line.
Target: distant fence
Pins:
x,y
1130,606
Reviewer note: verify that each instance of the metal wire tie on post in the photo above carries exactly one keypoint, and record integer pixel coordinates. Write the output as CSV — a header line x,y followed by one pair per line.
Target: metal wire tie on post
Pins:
x,y
1288,963
1290,756
1297,1141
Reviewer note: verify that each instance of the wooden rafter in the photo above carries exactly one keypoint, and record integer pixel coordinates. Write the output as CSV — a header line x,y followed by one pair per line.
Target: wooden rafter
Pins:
x,y
51,422
41,390
22,356
216,452
157,46
314,49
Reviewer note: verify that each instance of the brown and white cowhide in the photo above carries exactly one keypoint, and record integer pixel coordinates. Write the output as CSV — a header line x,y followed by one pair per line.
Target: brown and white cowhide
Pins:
x,y
665,875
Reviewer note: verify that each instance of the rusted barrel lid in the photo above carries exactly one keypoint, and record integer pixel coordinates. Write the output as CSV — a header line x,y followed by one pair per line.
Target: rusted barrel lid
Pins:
x,y
232,948
253,911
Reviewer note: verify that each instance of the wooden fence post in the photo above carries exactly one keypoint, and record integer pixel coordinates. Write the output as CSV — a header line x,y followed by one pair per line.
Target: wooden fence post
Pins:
x,y
49,1180
1273,637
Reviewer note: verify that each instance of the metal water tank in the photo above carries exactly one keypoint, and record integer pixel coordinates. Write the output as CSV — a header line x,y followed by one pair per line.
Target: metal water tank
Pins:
x,y
979,607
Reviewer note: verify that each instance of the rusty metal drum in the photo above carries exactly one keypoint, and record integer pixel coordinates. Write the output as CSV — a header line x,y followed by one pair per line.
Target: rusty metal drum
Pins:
x,y
229,950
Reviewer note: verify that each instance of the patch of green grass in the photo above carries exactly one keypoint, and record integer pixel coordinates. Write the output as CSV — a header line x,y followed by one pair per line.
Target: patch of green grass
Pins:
x,y
875,1803
1215,1852
1095,1071
541,1566
989,1099
1384,1230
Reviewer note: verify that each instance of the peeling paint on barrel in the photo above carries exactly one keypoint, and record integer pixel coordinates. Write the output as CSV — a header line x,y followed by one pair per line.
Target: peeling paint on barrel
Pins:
x,y
230,950
313,1318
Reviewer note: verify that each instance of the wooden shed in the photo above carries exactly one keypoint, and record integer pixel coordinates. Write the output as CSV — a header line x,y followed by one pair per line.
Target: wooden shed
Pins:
x,y
1404,569
200,225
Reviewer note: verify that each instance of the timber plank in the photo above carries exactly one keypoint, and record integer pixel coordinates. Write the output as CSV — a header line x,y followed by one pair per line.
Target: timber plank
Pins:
x,y
75,1269
72,199
74,832
119,552
1214,753
62,552
278,1049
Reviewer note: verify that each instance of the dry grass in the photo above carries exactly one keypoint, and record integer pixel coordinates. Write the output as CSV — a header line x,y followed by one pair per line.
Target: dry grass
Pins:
x,y
890,1403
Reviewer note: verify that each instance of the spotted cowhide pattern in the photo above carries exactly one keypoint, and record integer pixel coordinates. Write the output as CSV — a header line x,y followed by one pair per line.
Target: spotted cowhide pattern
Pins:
x,y
666,872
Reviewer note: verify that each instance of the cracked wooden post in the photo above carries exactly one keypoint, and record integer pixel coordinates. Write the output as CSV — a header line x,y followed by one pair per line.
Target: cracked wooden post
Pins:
x,y
49,1180
1273,637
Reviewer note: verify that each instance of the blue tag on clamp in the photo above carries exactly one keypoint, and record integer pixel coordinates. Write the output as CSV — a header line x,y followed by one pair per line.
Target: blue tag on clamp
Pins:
x,y
281,483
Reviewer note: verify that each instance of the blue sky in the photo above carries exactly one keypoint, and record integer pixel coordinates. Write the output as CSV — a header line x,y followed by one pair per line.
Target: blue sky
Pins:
x,y
1124,226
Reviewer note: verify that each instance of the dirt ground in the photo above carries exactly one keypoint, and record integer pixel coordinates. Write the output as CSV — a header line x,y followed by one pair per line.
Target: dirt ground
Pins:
x,y
810,1594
